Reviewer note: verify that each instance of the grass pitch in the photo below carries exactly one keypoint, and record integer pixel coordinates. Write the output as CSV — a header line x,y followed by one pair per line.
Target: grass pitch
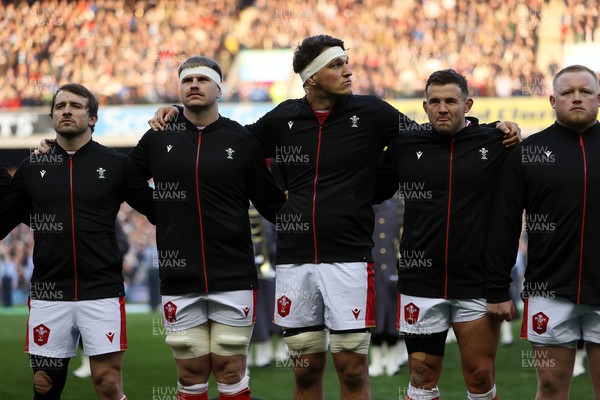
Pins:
x,y
149,370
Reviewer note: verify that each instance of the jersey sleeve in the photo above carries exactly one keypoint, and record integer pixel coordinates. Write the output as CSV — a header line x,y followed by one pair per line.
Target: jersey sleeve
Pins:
x,y
4,180
266,196
138,194
386,183
264,131
505,228
140,155
15,205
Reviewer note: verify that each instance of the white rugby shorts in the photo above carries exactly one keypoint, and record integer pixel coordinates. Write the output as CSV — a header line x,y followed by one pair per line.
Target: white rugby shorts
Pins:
x,y
424,315
340,296
54,327
234,308
558,321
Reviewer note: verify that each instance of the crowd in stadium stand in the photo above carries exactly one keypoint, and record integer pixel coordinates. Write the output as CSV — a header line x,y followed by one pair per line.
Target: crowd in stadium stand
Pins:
x,y
579,22
16,266
128,51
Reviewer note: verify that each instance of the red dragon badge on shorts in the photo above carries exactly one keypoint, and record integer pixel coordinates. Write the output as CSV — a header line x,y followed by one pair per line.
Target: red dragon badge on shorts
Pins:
x,y
411,313
41,333
283,306
170,312
540,322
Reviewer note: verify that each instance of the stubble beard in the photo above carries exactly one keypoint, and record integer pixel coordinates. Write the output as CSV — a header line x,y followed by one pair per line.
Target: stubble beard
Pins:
x,y
580,121
70,134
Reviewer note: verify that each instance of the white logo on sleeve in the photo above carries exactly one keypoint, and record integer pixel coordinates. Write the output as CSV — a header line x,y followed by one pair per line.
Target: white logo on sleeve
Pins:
x,y
230,152
43,172
169,147
483,152
290,124
354,119
548,153
101,172
419,154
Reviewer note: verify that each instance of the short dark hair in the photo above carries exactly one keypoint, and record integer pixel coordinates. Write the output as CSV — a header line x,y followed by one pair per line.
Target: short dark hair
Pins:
x,y
447,77
311,47
82,91
200,61
574,68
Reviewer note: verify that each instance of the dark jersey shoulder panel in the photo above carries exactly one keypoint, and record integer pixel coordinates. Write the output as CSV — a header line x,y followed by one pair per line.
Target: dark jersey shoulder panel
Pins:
x,y
72,202
203,183
555,176
329,170
447,184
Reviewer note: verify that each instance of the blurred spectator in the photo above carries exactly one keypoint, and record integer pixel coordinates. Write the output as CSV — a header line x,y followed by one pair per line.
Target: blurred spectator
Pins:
x,y
123,50
141,261
8,275
16,266
579,21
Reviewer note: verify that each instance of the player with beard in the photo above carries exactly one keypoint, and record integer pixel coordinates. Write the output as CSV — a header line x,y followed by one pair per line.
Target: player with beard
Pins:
x,y
446,172
555,176
70,197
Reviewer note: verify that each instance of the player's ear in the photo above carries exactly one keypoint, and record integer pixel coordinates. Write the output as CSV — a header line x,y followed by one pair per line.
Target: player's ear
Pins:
x,y
468,105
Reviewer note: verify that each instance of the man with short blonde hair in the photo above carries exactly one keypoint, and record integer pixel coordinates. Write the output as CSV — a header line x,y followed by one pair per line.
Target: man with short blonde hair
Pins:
x,y
555,176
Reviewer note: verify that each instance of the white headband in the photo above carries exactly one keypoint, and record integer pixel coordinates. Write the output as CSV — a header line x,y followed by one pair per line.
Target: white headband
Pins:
x,y
202,70
320,61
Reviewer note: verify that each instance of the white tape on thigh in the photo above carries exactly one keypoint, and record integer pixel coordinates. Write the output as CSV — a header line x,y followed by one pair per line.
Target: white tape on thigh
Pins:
x,y
356,342
226,340
190,343
307,342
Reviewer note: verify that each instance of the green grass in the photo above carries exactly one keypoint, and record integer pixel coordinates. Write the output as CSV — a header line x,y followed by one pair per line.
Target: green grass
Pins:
x,y
149,371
